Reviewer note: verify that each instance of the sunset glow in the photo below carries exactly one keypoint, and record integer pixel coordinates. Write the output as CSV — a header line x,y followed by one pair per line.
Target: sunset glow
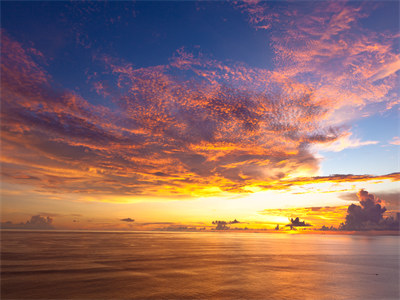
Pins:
x,y
172,115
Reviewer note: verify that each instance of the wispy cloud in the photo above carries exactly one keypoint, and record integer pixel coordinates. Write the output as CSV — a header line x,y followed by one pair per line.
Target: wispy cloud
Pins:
x,y
345,141
395,141
335,178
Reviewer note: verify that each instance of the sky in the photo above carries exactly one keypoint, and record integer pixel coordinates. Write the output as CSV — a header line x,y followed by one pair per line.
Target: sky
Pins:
x,y
170,115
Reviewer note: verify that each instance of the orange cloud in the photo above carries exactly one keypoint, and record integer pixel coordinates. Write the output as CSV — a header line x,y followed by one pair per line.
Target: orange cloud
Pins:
x,y
170,135
194,127
337,179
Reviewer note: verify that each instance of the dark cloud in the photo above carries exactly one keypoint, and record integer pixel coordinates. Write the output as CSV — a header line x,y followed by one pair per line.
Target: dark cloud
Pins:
x,y
36,222
297,223
223,225
327,228
368,215
127,220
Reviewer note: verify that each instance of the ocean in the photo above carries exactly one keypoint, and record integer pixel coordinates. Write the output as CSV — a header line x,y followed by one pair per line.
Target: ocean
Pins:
x,y
197,265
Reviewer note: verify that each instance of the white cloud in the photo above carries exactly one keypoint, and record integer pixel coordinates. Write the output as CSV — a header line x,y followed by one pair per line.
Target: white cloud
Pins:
x,y
346,141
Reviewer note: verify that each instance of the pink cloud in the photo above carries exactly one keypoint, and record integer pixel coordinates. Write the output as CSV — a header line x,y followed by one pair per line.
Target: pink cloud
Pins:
x,y
395,141
172,134
195,126
324,47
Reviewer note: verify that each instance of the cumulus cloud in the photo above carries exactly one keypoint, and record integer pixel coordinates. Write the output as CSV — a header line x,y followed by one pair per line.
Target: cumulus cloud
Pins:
x,y
36,222
368,215
390,199
127,220
371,213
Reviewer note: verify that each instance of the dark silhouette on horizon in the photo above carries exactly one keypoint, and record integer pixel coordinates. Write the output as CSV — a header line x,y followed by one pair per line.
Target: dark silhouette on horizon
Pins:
x,y
297,223
222,225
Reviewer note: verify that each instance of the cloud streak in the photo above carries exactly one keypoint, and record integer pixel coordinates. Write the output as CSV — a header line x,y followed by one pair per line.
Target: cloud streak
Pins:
x,y
344,142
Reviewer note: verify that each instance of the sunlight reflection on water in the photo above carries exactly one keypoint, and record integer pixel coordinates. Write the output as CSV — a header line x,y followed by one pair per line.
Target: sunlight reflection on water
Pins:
x,y
166,265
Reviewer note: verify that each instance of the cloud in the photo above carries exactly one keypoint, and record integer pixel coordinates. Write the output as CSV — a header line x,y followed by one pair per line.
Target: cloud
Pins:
x,y
386,70
395,141
335,178
391,200
36,222
193,127
223,225
127,220
344,142
318,215
368,215
324,46
297,223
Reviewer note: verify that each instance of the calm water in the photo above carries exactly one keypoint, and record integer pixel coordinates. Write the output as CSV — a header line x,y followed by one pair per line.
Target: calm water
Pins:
x,y
164,265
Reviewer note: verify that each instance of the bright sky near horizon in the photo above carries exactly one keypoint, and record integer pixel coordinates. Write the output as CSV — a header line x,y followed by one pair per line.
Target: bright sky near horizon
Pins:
x,y
180,113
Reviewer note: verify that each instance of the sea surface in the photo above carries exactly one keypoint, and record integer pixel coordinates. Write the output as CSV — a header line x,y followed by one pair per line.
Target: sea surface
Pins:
x,y
192,265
